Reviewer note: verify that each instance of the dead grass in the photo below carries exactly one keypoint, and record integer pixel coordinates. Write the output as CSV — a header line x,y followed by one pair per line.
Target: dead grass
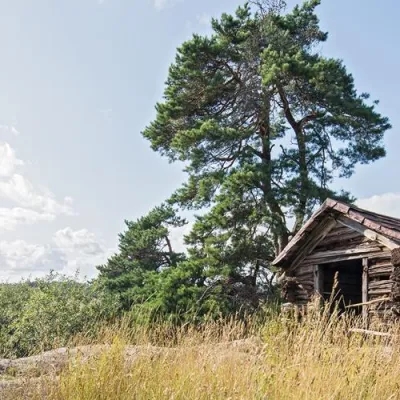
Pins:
x,y
315,358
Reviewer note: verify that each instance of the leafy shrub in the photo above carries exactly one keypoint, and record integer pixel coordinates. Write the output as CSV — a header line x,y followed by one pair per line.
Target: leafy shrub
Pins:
x,y
40,314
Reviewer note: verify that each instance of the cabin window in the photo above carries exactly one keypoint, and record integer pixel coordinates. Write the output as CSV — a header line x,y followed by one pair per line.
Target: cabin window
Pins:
x,y
348,290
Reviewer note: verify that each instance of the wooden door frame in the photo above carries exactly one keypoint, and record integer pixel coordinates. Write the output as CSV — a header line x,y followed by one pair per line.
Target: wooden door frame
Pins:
x,y
318,274
364,290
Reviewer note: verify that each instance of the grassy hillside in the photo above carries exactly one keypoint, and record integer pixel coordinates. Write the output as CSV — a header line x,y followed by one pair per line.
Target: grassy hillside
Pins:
x,y
280,358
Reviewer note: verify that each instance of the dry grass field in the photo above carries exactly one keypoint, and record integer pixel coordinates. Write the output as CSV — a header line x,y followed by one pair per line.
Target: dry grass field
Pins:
x,y
283,358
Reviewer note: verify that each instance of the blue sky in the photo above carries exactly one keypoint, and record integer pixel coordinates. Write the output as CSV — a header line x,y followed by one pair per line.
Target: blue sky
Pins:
x,y
78,83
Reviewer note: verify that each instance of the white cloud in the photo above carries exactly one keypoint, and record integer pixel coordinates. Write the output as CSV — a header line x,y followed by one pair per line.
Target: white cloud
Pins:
x,y
29,203
14,131
177,237
20,259
10,218
203,19
9,129
386,203
21,191
82,250
8,160
107,114
16,188
69,251
82,241
162,4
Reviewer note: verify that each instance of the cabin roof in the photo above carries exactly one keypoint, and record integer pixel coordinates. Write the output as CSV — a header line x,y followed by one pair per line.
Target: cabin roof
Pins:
x,y
384,227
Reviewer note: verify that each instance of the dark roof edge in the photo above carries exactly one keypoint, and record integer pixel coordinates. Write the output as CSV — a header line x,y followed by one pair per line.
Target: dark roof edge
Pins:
x,y
357,214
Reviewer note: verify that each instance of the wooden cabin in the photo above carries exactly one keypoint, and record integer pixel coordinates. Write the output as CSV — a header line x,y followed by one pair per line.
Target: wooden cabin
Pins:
x,y
357,249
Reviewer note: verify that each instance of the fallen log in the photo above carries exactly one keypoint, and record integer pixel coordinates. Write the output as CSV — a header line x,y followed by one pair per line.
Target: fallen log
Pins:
x,y
382,299
368,332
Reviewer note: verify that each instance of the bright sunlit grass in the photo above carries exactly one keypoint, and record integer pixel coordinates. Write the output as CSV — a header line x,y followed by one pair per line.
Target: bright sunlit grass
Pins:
x,y
315,358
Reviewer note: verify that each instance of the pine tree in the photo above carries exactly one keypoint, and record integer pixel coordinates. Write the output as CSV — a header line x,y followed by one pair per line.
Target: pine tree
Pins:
x,y
145,252
264,124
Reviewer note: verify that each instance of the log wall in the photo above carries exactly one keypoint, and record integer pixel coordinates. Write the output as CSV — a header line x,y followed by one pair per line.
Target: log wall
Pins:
x,y
395,277
380,286
344,244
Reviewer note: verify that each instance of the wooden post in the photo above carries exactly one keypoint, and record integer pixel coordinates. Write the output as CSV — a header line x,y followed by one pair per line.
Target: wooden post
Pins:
x,y
319,280
365,290
395,278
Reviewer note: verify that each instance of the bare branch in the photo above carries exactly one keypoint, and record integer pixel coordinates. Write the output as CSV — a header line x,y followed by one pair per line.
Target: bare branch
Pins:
x,y
269,6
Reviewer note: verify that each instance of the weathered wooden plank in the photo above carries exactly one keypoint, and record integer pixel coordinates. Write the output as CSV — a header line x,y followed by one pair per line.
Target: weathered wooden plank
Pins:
x,y
359,241
302,288
341,239
370,303
339,229
332,254
381,284
378,305
322,260
389,232
379,292
374,296
382,255
301,233
383,260
301,294
315,238
369,233
385,270
368,332
356,216
364,290
309,283
318,280
304,270
381,271
389,221
303,297
343,208
378,264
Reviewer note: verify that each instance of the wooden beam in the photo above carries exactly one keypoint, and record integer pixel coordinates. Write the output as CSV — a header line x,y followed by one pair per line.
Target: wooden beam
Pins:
x,y
322,259
368,233
341,255
281,277
313,240
328,203
364,289
318,280
367,332
380,269
380,300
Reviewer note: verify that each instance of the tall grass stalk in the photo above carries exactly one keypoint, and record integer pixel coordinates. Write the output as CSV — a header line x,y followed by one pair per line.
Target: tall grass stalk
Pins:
x,y
309,356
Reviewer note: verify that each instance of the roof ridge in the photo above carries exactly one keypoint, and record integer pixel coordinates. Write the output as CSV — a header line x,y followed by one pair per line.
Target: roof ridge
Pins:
x,y
389,228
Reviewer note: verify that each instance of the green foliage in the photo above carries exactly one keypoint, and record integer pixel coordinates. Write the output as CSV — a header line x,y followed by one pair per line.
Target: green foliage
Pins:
x,y
148,275
38,315
136,274
13,297
264,123
258,115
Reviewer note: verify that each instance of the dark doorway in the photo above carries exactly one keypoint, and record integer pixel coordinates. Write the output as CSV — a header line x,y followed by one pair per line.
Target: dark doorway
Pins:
x,y
348,287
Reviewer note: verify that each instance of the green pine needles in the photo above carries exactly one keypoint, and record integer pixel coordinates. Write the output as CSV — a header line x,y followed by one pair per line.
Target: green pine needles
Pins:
x,y
264,124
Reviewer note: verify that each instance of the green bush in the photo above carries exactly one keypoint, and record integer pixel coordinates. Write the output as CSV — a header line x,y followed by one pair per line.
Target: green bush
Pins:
x,y
40,314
